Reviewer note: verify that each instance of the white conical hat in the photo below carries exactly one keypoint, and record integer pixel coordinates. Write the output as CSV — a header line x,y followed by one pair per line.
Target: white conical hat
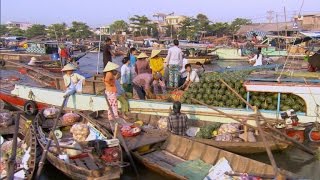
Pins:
x,y
142,55
110,66
154,53
69,67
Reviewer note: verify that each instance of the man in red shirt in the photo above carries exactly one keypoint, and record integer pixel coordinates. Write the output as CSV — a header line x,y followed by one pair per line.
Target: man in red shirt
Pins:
x,y
64,55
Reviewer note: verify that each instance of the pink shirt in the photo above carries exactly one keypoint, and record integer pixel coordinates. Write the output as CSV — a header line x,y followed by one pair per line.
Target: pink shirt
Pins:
x,y
143,80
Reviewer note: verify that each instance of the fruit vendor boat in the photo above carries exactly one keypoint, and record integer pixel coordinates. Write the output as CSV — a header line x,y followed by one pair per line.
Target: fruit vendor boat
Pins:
x,y
309,93
86,165
182,158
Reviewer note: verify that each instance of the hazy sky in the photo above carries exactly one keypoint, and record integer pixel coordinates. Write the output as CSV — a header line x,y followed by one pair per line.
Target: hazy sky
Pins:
x,y
101,12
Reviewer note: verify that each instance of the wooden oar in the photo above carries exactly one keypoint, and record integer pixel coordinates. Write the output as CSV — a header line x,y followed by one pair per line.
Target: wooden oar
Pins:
x,y
51,135
298,144
12,160
120,137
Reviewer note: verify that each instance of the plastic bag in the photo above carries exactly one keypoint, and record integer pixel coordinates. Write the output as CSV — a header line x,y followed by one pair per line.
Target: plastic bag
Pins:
x,y
80,132
129,131
6,119
69,119
50,112
192,131
224,137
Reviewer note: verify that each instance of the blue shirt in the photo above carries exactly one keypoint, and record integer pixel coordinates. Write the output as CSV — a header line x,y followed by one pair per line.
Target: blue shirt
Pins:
x,y
120,90
133,60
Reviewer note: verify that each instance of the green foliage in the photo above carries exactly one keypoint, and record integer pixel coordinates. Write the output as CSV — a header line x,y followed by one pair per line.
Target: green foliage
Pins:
x,y
16,32
36,30
79,30
57,31
119,26
3,30
237,23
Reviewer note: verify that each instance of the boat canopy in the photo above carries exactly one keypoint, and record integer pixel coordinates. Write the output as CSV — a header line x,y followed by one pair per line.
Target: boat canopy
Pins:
x,y
311,34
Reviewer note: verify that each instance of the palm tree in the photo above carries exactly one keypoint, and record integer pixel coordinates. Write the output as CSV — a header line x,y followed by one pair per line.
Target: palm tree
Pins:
x,y
140,21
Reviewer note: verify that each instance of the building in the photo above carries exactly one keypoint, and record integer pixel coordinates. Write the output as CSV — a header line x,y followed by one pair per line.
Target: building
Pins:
x,y
104,30
174,20
20,25
269,28
309,21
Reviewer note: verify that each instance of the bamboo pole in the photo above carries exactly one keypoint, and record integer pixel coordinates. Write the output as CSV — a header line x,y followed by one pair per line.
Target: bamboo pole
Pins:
x,y
120,137
12,160
298,144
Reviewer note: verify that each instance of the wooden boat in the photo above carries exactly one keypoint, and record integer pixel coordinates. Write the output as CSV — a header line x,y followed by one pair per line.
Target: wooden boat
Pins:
x,y
176,150
252,68
14,56
27,135
85,166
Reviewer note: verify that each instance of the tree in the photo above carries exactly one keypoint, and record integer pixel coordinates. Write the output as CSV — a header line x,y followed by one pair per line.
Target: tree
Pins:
x,y
36,30
3,30
141,22
16,31
203,22
220,28
57,31
79,30
119,26
237,23
188,29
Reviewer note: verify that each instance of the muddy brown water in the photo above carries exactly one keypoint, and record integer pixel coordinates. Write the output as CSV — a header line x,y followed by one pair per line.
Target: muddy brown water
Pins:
x,y
292,159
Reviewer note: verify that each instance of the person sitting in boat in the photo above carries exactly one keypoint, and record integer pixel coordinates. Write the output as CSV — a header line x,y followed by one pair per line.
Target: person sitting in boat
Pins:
x,y
73,81
200,69
157,83
192,76
142,86
33,61
183,72
122,97
111,89
257,59
177,121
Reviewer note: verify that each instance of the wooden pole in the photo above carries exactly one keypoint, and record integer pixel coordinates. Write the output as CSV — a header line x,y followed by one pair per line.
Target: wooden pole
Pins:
x,y
121,139
12,160
298,144
51,136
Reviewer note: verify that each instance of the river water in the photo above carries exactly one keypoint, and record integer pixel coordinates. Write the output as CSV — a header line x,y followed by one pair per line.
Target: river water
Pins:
x,y
292,159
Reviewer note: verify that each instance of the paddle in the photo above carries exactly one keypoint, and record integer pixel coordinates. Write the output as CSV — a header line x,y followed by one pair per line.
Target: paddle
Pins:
x,y
12,161
120,137
51,135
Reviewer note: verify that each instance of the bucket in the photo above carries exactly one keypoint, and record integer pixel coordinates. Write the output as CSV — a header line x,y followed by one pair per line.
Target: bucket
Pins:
x,y
55,56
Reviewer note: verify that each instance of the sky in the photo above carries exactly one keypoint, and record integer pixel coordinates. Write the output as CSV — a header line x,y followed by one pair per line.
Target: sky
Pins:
x,y
102,12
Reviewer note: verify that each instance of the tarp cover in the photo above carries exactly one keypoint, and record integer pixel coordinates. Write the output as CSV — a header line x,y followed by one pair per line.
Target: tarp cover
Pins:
x,y
193,169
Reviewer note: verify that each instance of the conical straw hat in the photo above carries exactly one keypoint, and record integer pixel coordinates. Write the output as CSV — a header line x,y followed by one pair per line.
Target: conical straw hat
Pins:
x,y
69,67
155,52
110,66
142,55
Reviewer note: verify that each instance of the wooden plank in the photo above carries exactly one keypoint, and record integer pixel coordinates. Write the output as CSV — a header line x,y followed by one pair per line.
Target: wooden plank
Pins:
x,y
158,162
90,163
168,158
79,162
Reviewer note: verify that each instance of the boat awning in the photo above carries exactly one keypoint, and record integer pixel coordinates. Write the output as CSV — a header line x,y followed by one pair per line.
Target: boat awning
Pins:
x,y
311,34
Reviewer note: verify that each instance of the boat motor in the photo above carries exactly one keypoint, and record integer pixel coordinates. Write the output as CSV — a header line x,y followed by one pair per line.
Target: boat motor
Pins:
x,y
290,117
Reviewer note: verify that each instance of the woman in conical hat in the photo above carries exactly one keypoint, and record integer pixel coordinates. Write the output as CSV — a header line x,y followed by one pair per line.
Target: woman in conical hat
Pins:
x,y
111,89
142,64
156,62
73,81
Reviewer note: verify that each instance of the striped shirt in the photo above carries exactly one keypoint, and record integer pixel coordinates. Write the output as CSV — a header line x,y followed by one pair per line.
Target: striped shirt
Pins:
x,y
177,124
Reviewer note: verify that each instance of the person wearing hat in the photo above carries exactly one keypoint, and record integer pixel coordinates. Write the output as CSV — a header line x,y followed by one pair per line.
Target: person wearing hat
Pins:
x,y
33,61
142,64
177,121
142,85
73,81
158,82
156,62
111,89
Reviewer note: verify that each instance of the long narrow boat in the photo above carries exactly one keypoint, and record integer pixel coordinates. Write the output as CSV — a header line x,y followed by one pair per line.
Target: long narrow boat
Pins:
x,y
86,165
177,151
27,135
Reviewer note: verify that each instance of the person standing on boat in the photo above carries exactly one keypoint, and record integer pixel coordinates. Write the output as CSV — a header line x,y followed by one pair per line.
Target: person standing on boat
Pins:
x,y
257,59
122,97
132,56
142,65
111,89
192,76
156,63
73,81
64,54
126,77
142,85
107,52
177,121
183,72
174,63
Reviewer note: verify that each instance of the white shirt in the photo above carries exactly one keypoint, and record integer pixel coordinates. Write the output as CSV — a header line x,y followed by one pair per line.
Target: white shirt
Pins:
x,y
174,56
74,78
258,60
183,70
125,74
193,76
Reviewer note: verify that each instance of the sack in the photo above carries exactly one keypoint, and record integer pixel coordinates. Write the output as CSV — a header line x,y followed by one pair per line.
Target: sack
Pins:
x,y
224,137
80,132
163,123
251,137
50,112
6,119
69,119
192,131
229,128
